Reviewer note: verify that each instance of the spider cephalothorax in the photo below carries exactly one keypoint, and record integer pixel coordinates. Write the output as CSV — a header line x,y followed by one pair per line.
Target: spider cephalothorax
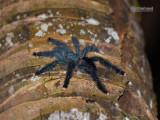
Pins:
x,y
67,57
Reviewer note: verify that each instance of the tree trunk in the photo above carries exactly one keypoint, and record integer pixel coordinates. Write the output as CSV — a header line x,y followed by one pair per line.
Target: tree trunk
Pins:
x,y
24,27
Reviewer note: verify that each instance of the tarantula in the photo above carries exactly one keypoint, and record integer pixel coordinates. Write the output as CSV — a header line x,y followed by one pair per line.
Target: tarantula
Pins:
x,y
67,57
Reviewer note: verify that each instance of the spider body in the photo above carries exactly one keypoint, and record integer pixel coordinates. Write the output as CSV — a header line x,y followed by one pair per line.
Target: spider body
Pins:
x,y
66,57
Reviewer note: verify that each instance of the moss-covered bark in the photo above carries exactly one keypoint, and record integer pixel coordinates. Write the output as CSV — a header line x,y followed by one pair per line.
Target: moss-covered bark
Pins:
x,y
24,27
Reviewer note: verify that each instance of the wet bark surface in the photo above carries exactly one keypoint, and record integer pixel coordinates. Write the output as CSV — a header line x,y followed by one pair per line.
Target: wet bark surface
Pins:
x,y
24,27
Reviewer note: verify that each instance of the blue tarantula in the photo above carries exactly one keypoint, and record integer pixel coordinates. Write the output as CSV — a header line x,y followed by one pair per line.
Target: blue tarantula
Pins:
x,y
67,57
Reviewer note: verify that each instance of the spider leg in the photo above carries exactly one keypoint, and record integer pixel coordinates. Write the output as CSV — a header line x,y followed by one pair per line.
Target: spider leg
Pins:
x,y
94,77
59,52
89,49
56,42
44,54
76,44
70,68
99,85
50,66
62,48
108,65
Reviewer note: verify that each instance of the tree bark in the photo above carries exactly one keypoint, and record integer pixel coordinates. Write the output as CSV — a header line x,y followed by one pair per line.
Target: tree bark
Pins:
x,y
24,27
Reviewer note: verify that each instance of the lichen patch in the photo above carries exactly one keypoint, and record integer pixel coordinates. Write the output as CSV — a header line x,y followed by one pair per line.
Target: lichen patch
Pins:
x,y
92,21
74,114
9,38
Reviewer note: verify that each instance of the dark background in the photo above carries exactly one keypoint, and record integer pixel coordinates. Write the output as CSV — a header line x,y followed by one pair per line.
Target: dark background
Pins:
x,y
151,26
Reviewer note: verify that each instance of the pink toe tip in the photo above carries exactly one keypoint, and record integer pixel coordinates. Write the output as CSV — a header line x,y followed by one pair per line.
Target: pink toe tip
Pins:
x,y
64,88
107,93
125,74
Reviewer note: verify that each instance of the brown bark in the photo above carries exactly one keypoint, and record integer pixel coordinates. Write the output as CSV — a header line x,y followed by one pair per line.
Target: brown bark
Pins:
x,y
24,27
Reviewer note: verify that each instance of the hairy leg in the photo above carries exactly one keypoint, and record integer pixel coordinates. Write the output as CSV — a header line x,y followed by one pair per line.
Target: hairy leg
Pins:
x,y
56,42
70,68
50,67
94,77
62,50
59,52
108,65
76,44
89,49
99,85
44,54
